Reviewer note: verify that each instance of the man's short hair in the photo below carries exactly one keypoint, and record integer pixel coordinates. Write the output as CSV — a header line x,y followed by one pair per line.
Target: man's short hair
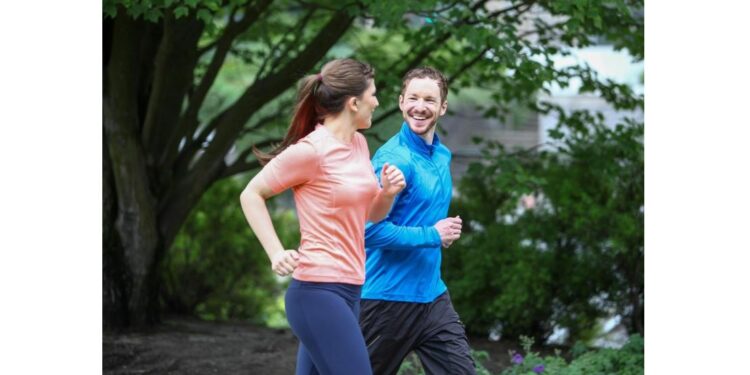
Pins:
x,y
427,72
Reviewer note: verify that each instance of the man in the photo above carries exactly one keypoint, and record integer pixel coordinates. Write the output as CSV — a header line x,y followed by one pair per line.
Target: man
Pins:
x,y
405,304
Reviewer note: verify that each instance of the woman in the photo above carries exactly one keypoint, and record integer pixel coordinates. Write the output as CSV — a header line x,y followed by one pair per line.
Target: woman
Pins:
x,y
326,163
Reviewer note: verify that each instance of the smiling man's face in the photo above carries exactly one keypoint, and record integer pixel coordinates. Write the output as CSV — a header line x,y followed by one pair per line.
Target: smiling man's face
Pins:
x,y
421,106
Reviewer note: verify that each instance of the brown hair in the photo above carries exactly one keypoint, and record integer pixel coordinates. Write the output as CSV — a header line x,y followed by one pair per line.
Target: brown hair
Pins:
x,y
320,95
427,72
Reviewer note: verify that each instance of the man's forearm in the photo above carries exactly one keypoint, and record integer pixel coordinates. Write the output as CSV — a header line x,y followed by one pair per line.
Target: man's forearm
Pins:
x,y
386,235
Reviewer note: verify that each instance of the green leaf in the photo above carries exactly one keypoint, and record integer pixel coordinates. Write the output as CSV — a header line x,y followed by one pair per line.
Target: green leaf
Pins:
x,y
205,16
598,21
213,5
180,11
153,15
110,9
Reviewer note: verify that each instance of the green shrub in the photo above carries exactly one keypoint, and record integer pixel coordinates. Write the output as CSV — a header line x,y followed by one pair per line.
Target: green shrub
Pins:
x,y
628,360
577,256
217,269
412,366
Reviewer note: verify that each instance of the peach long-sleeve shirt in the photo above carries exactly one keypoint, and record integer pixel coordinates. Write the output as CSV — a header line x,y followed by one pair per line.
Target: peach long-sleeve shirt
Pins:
x,y
333,185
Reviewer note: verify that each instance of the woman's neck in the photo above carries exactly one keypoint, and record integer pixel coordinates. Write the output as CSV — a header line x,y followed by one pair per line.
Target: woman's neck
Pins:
x,y
341,126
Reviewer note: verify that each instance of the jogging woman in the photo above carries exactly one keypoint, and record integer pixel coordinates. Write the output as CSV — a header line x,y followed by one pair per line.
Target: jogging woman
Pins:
x,y
325,161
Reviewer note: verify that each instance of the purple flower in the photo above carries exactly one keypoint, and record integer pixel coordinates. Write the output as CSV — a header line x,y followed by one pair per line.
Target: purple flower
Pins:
x,y
517,359
538,369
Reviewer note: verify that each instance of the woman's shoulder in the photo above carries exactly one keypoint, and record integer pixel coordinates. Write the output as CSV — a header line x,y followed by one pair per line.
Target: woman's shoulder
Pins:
x,y
304,148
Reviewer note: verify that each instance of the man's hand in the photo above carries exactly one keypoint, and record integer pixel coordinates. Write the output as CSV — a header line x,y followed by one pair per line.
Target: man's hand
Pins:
x,y
392,179
449,230
284,262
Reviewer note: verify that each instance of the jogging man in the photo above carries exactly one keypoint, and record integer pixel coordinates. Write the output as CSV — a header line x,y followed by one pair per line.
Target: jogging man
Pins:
x,y
405,304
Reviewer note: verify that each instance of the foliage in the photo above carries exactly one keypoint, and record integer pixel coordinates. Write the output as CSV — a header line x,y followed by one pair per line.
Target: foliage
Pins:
x,y
628,360
575,257
412,366
216,268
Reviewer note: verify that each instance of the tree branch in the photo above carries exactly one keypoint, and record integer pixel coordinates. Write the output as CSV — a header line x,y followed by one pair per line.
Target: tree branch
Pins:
x,y
430,47
299,33
241,164
188,189
189,121
173,75
265,120
230,22
500,12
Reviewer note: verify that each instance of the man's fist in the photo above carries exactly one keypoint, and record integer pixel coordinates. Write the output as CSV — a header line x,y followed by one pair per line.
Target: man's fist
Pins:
x,y
449,230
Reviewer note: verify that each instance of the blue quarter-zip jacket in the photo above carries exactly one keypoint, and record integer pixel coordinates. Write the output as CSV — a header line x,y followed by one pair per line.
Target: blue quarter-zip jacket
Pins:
x,y
403,250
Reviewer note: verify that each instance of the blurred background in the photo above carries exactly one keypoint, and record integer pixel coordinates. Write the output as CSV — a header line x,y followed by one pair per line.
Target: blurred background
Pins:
x,y
545,123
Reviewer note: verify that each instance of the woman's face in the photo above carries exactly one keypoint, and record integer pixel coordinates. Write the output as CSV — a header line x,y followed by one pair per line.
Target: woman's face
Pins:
x,y
366,105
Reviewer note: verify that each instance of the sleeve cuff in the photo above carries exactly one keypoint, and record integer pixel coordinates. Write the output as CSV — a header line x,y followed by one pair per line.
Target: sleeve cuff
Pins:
x,y
434,236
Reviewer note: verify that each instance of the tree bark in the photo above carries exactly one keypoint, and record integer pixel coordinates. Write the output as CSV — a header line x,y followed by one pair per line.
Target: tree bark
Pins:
x,y
135,221
114,271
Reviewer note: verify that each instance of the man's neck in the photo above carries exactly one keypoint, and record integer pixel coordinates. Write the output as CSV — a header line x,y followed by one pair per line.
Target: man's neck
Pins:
x,y
429,136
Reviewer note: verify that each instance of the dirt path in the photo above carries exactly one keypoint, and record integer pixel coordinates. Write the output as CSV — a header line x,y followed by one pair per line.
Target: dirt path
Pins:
x,y
186,346
190,346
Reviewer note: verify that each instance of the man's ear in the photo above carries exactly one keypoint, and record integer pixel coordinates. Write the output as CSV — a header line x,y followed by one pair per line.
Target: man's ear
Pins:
x,y
443,107
401,102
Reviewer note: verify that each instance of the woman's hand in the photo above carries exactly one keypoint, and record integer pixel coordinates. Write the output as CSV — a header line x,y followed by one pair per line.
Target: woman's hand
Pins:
x,y
284,262
392,180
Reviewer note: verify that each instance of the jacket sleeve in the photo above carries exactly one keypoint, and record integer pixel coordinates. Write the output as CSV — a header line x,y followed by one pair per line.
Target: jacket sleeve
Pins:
x,y
389,236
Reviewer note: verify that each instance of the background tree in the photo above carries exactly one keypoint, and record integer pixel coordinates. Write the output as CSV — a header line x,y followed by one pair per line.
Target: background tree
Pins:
x,y
169,134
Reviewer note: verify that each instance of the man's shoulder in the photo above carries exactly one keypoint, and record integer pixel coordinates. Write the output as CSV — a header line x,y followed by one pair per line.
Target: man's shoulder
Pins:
x,y
395,150
442,154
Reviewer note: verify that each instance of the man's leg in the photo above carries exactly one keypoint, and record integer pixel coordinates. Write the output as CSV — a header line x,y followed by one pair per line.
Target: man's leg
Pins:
x,y
444,347
389,329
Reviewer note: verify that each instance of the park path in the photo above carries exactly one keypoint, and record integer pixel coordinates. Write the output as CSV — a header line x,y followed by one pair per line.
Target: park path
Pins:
x,y
193,347
189,346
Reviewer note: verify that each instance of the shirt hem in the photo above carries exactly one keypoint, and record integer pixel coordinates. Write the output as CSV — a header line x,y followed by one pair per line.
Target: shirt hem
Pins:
x,y
329,279
403,297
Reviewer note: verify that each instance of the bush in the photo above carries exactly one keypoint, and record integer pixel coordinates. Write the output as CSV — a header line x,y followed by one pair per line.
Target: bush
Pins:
x,y
628,360
412,366
575,257
216,268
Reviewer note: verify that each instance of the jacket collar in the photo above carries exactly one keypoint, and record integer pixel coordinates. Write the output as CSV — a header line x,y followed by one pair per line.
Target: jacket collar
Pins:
x,y
416,143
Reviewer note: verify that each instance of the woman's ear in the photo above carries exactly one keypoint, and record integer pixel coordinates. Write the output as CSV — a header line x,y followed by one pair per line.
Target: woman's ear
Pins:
x,y
352,104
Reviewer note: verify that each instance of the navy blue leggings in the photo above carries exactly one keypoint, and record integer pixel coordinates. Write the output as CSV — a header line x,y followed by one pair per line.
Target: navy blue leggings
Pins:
x,y
325,318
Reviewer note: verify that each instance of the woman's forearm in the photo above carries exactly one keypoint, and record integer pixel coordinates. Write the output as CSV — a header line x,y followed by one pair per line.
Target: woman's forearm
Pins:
x,y
380,207
256,212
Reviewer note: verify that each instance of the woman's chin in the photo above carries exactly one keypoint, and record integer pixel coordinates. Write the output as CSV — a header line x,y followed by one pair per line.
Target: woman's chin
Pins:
x,y
365,124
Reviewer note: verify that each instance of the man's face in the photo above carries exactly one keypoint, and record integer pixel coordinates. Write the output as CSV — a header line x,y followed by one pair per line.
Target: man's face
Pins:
x,y
421,105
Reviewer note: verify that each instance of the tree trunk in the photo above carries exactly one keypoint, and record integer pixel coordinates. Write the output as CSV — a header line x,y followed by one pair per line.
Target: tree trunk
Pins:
x,y
135,220
114,270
